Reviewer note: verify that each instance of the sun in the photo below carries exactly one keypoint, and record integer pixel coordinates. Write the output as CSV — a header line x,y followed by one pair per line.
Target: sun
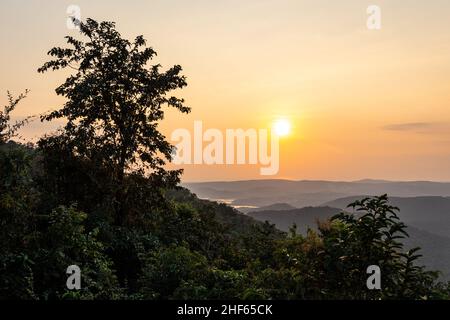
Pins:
x,y
282,127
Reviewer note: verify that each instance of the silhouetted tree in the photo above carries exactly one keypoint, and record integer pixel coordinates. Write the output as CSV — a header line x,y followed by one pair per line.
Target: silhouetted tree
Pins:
x,y
114,102
8,130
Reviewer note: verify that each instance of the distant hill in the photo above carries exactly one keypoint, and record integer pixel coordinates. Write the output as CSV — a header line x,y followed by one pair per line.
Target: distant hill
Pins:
x,y
310,193
275,206
430,214
303,218
435,249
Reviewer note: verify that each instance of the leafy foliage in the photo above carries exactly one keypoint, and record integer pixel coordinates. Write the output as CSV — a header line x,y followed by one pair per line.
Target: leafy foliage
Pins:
x,y
8,130
372,236
114,103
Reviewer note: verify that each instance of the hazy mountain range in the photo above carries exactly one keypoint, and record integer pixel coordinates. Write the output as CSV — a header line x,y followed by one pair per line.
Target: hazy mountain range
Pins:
x,y
424,207
310,193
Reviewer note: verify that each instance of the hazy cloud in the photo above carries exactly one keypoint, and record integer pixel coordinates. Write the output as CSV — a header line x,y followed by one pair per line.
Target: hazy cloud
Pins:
x,y
419,127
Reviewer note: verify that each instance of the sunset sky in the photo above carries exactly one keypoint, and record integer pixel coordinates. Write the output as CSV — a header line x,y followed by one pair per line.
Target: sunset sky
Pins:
x,y
361,103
